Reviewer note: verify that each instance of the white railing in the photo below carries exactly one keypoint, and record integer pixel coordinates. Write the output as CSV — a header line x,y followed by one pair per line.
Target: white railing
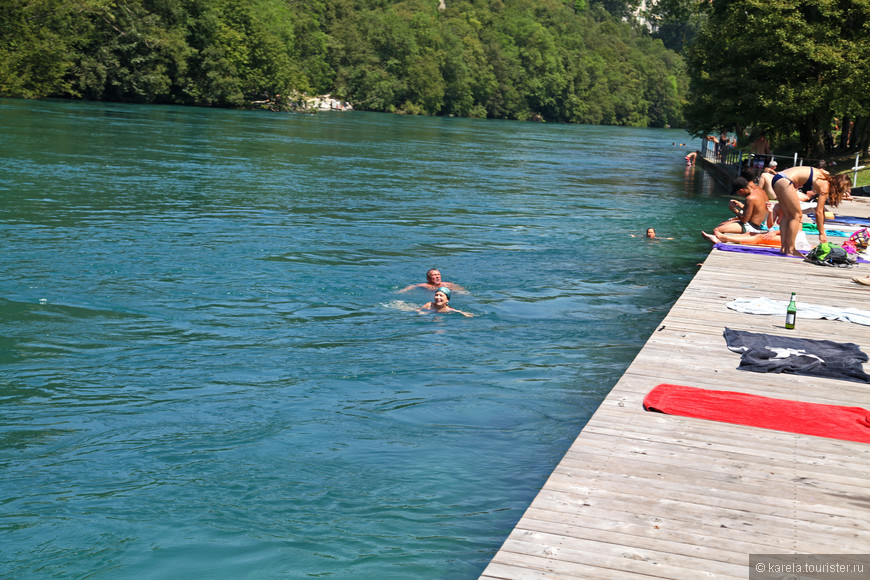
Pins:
x,y
731,158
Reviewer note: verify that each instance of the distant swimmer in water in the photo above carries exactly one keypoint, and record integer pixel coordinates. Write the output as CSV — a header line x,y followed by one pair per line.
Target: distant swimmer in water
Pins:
x,y
440,303
651,234
433,282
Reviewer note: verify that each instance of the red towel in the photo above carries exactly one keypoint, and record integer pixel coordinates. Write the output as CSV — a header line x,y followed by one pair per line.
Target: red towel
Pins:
x,y
832,421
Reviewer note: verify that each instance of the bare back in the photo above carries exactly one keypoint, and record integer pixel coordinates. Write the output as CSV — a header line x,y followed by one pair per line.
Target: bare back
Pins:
x,y
755,208
801,174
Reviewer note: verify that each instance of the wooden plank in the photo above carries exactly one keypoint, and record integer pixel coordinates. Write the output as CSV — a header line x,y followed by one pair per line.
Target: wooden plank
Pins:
x,y
720,495
741,463
644,495
549,553
644,527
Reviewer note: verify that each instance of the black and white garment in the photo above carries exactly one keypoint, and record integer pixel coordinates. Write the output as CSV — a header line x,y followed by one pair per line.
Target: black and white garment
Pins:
x,y
768,353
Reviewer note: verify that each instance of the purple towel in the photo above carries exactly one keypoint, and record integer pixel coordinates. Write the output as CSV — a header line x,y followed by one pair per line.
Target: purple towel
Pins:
x,y
746,249
847,219
764,250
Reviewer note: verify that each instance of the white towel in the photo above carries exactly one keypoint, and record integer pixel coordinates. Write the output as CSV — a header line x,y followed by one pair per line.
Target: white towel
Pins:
x,y
801,242
764,305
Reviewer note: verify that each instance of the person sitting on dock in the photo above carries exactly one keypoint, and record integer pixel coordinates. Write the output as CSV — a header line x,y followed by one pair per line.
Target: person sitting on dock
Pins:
x,y
441,304
751,215
433,282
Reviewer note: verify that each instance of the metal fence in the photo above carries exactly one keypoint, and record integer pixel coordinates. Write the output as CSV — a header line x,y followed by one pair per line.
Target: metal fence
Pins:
x,y
733,160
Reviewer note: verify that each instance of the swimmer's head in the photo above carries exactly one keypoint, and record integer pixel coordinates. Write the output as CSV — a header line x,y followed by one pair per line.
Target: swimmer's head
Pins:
x,y
444,290
433,276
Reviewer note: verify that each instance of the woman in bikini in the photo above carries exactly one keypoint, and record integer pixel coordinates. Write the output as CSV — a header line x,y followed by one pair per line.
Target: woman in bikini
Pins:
x,y
829,189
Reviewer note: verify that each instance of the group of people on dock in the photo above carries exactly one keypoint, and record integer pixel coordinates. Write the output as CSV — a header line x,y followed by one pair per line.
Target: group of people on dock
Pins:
x,y
780,197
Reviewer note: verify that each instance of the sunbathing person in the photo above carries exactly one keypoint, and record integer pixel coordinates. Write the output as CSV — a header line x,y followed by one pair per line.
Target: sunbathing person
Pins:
x,y
770,238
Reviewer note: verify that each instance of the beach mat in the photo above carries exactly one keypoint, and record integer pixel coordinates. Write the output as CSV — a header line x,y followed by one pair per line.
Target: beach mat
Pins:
x,y
831,421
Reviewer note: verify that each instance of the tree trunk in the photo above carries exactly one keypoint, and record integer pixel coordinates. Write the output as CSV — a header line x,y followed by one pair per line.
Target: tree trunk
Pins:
x,y
863,137
813,138
844,132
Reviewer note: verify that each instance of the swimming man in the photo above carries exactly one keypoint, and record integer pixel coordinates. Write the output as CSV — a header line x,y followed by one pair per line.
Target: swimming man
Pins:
x,y
433,282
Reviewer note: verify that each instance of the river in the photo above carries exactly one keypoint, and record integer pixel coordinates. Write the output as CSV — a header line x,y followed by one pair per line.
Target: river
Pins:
x,y
207,370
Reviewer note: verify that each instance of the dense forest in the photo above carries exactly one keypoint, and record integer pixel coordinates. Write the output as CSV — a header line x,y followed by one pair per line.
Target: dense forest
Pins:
x,y
557,60
796,70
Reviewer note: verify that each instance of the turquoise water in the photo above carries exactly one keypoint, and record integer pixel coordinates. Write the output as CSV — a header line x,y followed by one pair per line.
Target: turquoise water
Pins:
x,y
206,370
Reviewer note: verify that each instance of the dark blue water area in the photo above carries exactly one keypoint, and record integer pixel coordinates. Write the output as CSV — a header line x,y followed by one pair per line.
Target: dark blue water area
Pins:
x,y
207,369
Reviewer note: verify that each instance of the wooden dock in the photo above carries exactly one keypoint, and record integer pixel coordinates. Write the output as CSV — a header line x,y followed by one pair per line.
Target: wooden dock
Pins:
x,y
647,495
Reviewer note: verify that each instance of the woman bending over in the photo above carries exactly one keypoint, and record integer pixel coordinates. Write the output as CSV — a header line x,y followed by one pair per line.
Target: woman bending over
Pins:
x,y
829,189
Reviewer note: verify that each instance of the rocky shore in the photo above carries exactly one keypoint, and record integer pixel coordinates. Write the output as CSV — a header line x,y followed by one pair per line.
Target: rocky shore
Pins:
x,y
300,103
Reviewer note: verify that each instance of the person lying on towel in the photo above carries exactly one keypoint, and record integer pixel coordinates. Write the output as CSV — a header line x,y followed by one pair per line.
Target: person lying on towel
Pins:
x,y
771,238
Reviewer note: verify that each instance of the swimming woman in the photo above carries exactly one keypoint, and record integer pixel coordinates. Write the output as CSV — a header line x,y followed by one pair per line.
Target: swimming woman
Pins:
x,y
651,234
829,189
440,303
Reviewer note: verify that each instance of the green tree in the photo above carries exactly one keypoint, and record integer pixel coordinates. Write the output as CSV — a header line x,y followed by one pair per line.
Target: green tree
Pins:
x,y
793,66
128,54
556,60
38,44
676,22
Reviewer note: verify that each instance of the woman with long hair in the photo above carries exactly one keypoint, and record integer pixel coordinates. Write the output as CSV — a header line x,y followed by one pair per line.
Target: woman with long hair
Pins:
x,y
827,189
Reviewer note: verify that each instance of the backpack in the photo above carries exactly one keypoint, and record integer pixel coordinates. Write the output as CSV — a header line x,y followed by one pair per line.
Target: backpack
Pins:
x,y
828,254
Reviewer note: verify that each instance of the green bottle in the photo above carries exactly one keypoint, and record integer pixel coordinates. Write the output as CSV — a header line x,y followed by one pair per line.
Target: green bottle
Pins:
x,y
790,313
